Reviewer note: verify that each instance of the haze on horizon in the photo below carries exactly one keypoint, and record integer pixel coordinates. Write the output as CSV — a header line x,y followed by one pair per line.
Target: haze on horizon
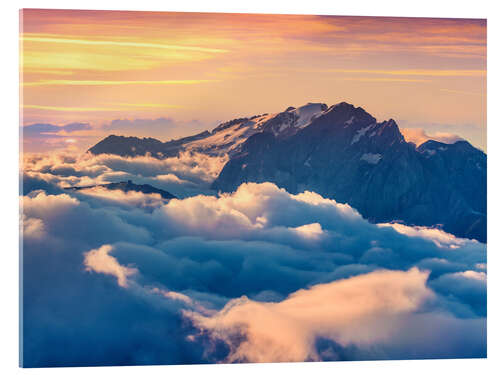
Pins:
x,y
166,74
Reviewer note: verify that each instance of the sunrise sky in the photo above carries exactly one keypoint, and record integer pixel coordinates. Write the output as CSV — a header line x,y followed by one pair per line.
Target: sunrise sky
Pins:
x,y
173,74
316,235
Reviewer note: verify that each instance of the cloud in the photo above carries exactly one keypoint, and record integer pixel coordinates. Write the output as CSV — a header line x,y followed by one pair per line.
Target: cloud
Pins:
x,y
416,72
69,109
462,92
42,136
386,79
120,198
311,231
67,82
47,136
118,43
151,125
39,130
469,286
419,136
437,236
255,209
287,331
87,223
185,174
161,272
32,228
99,260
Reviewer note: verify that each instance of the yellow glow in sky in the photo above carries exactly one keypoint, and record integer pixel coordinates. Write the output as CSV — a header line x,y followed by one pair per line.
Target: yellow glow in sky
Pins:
x,y
98,66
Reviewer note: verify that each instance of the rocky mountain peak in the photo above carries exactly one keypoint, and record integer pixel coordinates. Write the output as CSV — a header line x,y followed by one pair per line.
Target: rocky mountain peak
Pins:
x,y
343,153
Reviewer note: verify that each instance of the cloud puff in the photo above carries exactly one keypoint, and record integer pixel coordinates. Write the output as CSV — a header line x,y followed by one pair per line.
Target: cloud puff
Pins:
x,y
262,210
437,236
360,311
162,271
120,198
99,260
183,175
69,220
469,286
419,136
32,228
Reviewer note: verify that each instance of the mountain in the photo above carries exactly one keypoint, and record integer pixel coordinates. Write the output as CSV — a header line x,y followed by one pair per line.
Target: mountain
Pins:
x,y
226,138
126,186
134,146
343,153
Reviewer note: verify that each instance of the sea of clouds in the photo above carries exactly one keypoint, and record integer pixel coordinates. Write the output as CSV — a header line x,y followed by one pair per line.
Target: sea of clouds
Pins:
x,y
260,275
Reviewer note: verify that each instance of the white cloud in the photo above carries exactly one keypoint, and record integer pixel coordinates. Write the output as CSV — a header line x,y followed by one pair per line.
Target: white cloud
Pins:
x,y
46,207
419,136
474,275
359,310
188,173
310,231
32,228
200,252
99,260
254,209
441,238
122,198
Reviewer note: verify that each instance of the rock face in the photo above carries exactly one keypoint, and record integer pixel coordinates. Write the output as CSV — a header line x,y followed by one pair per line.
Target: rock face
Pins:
x,y
343,153
346,155
227,138
128,186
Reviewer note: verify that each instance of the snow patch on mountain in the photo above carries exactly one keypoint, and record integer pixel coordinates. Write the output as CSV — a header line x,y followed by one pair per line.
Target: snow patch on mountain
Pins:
x,y
229,139
371,158
288,123
360,133
429,153
308,112
349,122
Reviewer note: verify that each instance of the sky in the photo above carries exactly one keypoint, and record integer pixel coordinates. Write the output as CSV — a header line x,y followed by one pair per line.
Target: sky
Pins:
x,y
87,74
212,277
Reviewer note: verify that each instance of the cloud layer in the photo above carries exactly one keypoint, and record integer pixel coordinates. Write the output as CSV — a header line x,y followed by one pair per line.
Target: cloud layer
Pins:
x,y
184,175
419,136
256,275
358,311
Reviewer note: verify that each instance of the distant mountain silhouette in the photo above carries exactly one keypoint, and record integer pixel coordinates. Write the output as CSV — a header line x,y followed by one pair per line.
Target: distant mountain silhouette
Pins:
x,y
126,186
134,146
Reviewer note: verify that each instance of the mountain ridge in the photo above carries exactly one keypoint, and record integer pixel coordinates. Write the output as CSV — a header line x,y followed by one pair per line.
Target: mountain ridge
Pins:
x,y
343,153
126,186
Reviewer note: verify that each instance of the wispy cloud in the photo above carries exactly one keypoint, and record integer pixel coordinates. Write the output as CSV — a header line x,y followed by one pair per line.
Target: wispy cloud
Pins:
x,y
148,105
416,72
114,107
384,79
462,92
69,109
120,44
68,82
419,136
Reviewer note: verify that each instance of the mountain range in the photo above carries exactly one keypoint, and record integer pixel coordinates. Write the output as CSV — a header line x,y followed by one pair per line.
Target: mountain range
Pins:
x,y
342,152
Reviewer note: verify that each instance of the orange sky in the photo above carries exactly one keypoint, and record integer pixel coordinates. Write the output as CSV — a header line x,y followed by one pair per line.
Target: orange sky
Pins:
x,y
197,69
